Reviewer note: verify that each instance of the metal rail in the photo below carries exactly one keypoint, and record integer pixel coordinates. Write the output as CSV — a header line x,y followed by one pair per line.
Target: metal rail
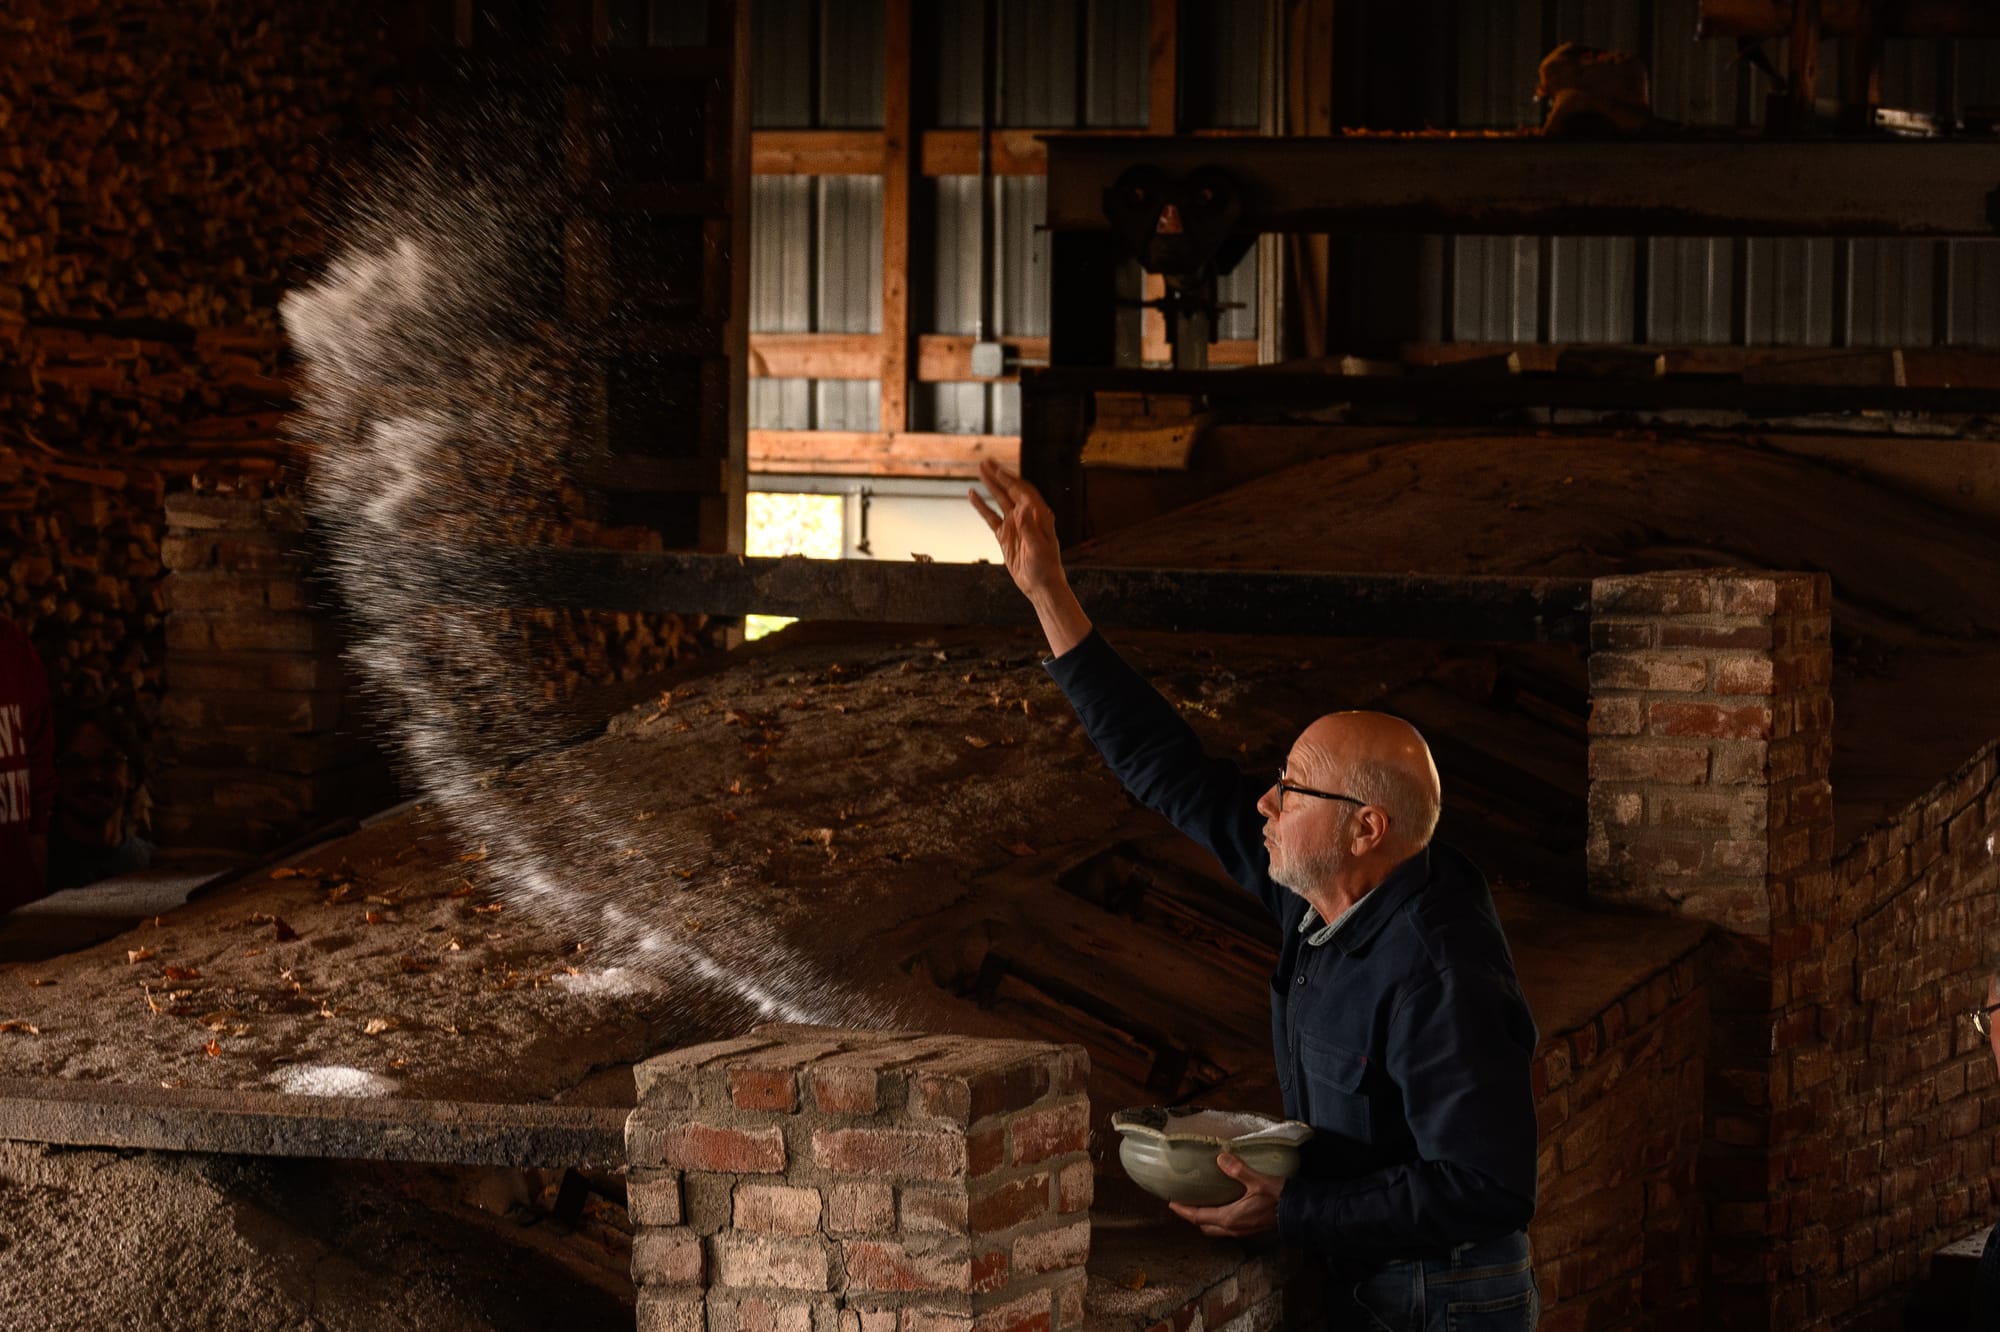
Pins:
x,y
1469,609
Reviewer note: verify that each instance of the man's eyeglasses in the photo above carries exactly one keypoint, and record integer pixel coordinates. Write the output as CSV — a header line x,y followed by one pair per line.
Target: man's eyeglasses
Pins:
x,y
1982,1018
1284,786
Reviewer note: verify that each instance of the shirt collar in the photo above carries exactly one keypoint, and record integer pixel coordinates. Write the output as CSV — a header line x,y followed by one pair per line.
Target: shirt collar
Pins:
x,y
1361,922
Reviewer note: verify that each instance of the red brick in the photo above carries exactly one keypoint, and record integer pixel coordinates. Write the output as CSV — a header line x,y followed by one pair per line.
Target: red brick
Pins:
x,y
845,1089
1615,635
665,1309
1011,1203
864,1209
1616,714
761,1260
891,1265
1745,675
1048,1250
1661,672
936,1211
1041,1134
778,1208
1069,1300
732,1151
985,1151
653,1197
1076,1185
757,1314
1029,1313
897,1153
1620,761
1746,596
753,1088
1752,722
965,1098
1651,594
667,1256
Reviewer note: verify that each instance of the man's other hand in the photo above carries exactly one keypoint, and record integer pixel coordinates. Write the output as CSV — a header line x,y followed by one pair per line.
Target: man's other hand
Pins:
x,y
1255,1213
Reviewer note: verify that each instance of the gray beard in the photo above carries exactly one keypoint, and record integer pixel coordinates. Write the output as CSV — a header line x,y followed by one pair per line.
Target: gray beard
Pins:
x,y
1305,873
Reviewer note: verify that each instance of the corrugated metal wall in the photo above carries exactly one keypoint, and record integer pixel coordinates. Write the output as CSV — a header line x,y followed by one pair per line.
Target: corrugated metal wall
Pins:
x,y
1681,290
1067,63
816,245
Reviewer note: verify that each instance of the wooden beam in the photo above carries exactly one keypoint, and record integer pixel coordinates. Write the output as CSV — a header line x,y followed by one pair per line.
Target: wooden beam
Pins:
x,y
1015,152
1520,185
1335,605
1802,73
816,355
944,152
940,357
879,453
894,412
817,152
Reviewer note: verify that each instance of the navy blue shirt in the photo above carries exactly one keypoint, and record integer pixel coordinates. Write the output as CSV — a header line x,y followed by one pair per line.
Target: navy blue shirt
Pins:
x,y
1403,1039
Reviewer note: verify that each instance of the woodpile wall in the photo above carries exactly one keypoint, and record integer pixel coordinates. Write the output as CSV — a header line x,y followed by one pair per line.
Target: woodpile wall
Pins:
x,y
163,170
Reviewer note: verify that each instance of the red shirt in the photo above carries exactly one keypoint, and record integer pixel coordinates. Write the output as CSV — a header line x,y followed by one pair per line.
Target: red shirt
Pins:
x,y
27,765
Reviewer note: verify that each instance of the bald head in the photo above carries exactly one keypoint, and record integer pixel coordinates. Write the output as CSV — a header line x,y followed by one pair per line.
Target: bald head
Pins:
x,y
1378,759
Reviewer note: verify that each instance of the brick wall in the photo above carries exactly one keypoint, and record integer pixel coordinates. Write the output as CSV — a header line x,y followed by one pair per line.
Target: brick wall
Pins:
x,y
1850,1108
259,738
1619,1225
1893,1103
815,1179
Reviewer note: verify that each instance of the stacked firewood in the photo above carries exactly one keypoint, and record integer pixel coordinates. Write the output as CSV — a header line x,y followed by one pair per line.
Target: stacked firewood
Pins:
x,y
164,168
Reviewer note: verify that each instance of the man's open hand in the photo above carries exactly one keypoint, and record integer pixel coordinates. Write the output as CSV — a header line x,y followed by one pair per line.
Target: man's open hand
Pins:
x,y
1255,1213
1024,527
1026,531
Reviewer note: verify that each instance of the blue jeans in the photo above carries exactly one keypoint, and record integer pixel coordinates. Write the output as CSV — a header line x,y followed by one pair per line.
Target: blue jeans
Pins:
x,y
1483,1287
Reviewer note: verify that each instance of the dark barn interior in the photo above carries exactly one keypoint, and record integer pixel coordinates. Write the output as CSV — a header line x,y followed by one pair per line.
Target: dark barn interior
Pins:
x,y
535,801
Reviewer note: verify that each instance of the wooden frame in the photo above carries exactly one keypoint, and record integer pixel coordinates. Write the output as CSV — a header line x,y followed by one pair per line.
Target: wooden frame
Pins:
x,y
898,357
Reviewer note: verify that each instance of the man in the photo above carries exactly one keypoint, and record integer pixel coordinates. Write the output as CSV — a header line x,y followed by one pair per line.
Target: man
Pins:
x,y
1400,1030
27,769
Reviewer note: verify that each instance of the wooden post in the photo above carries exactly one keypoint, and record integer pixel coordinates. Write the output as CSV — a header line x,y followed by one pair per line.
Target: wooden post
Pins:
x,y
1802,79
897,159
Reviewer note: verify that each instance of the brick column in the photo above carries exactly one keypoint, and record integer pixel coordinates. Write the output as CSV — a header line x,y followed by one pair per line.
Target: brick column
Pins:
x,y
257,741
1710,745
807,1179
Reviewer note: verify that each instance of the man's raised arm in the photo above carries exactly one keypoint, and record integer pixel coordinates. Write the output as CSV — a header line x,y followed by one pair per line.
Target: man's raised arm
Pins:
x,y
1026,531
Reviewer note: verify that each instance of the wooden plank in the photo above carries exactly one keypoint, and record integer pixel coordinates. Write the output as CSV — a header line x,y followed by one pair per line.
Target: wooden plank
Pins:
x,y
817,152
894,413
75,1113
816,355
1015,152
1515,185
879,453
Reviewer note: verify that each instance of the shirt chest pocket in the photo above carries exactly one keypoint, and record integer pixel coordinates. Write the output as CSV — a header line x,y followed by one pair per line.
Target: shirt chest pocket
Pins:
x,y
1335,1099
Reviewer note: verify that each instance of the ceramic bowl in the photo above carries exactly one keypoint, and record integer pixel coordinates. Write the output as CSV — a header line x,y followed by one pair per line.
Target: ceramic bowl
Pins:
x,y
1170,1151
